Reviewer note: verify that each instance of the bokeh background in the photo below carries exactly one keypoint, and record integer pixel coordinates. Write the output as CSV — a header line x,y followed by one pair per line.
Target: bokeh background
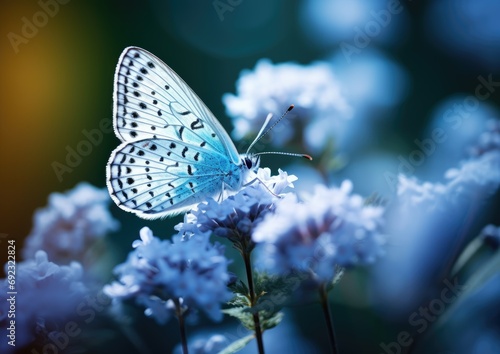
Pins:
x,y
57,81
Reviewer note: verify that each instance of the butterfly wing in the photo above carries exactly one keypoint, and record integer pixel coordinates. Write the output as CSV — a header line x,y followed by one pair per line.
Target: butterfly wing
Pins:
x,y
152,101
160,177
174,152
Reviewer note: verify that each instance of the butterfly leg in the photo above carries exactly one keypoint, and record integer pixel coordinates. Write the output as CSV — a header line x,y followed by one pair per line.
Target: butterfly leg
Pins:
x,y
221,195
256,179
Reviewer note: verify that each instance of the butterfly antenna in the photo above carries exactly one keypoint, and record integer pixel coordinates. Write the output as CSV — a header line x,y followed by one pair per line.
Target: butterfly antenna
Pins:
x,y
263,131
284,153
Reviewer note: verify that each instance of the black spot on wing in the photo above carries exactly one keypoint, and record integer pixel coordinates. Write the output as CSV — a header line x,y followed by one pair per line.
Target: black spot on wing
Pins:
x,y
197,124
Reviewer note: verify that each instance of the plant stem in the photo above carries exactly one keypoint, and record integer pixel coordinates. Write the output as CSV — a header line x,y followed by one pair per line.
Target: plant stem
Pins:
x,y
182,328
253,300
328,318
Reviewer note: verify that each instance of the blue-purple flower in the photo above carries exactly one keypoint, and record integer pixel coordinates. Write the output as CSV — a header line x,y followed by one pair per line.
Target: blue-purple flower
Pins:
x,y
331,228
46,297
235,217
271,88
164,275
70,224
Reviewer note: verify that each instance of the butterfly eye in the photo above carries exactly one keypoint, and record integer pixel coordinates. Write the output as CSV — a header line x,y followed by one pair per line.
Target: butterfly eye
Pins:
x,y
248,162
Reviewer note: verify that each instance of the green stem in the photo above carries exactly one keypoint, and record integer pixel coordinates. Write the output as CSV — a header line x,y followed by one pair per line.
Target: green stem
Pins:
x,y
253,300
328,318
182,328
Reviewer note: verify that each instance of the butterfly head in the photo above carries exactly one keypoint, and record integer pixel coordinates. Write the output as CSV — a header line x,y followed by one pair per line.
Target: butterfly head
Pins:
x,y
252,162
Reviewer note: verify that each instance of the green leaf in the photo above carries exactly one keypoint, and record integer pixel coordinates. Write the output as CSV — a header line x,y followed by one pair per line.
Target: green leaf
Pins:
x,y
271,321
239,288
272,293
242,314
237,345
239,300
275,291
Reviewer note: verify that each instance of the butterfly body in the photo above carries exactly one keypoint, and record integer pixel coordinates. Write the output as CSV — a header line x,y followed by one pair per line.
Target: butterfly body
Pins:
x,y
174,153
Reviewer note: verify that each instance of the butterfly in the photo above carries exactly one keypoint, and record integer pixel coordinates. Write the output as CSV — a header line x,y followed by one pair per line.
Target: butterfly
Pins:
x,y
174,153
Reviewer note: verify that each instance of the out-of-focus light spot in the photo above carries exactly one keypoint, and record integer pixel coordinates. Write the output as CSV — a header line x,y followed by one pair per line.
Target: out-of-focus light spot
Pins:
x,y
469,29
328,22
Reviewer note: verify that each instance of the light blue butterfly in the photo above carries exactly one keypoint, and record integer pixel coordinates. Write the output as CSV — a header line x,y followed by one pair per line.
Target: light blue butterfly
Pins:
x,y
174,153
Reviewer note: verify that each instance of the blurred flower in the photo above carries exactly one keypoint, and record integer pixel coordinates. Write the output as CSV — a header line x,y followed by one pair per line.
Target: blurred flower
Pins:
x,y
374,85
454,128
160,275
371,80
480,174
236,217
491,236
271,88
71,222
414,193
46,298
211,345
471,30
357,22
331,228
489,140
437,214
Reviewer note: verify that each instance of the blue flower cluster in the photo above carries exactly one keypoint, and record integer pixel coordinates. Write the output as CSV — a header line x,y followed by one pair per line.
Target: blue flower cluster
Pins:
x,y
47,297
314,90
163,275
236,216
424,213
330,228
71,222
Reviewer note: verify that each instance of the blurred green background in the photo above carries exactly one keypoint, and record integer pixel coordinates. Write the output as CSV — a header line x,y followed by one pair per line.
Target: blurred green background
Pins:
x,y
59,83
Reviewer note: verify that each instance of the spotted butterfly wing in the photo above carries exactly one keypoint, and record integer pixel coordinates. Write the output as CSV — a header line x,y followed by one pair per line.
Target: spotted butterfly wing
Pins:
x,y
174,153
